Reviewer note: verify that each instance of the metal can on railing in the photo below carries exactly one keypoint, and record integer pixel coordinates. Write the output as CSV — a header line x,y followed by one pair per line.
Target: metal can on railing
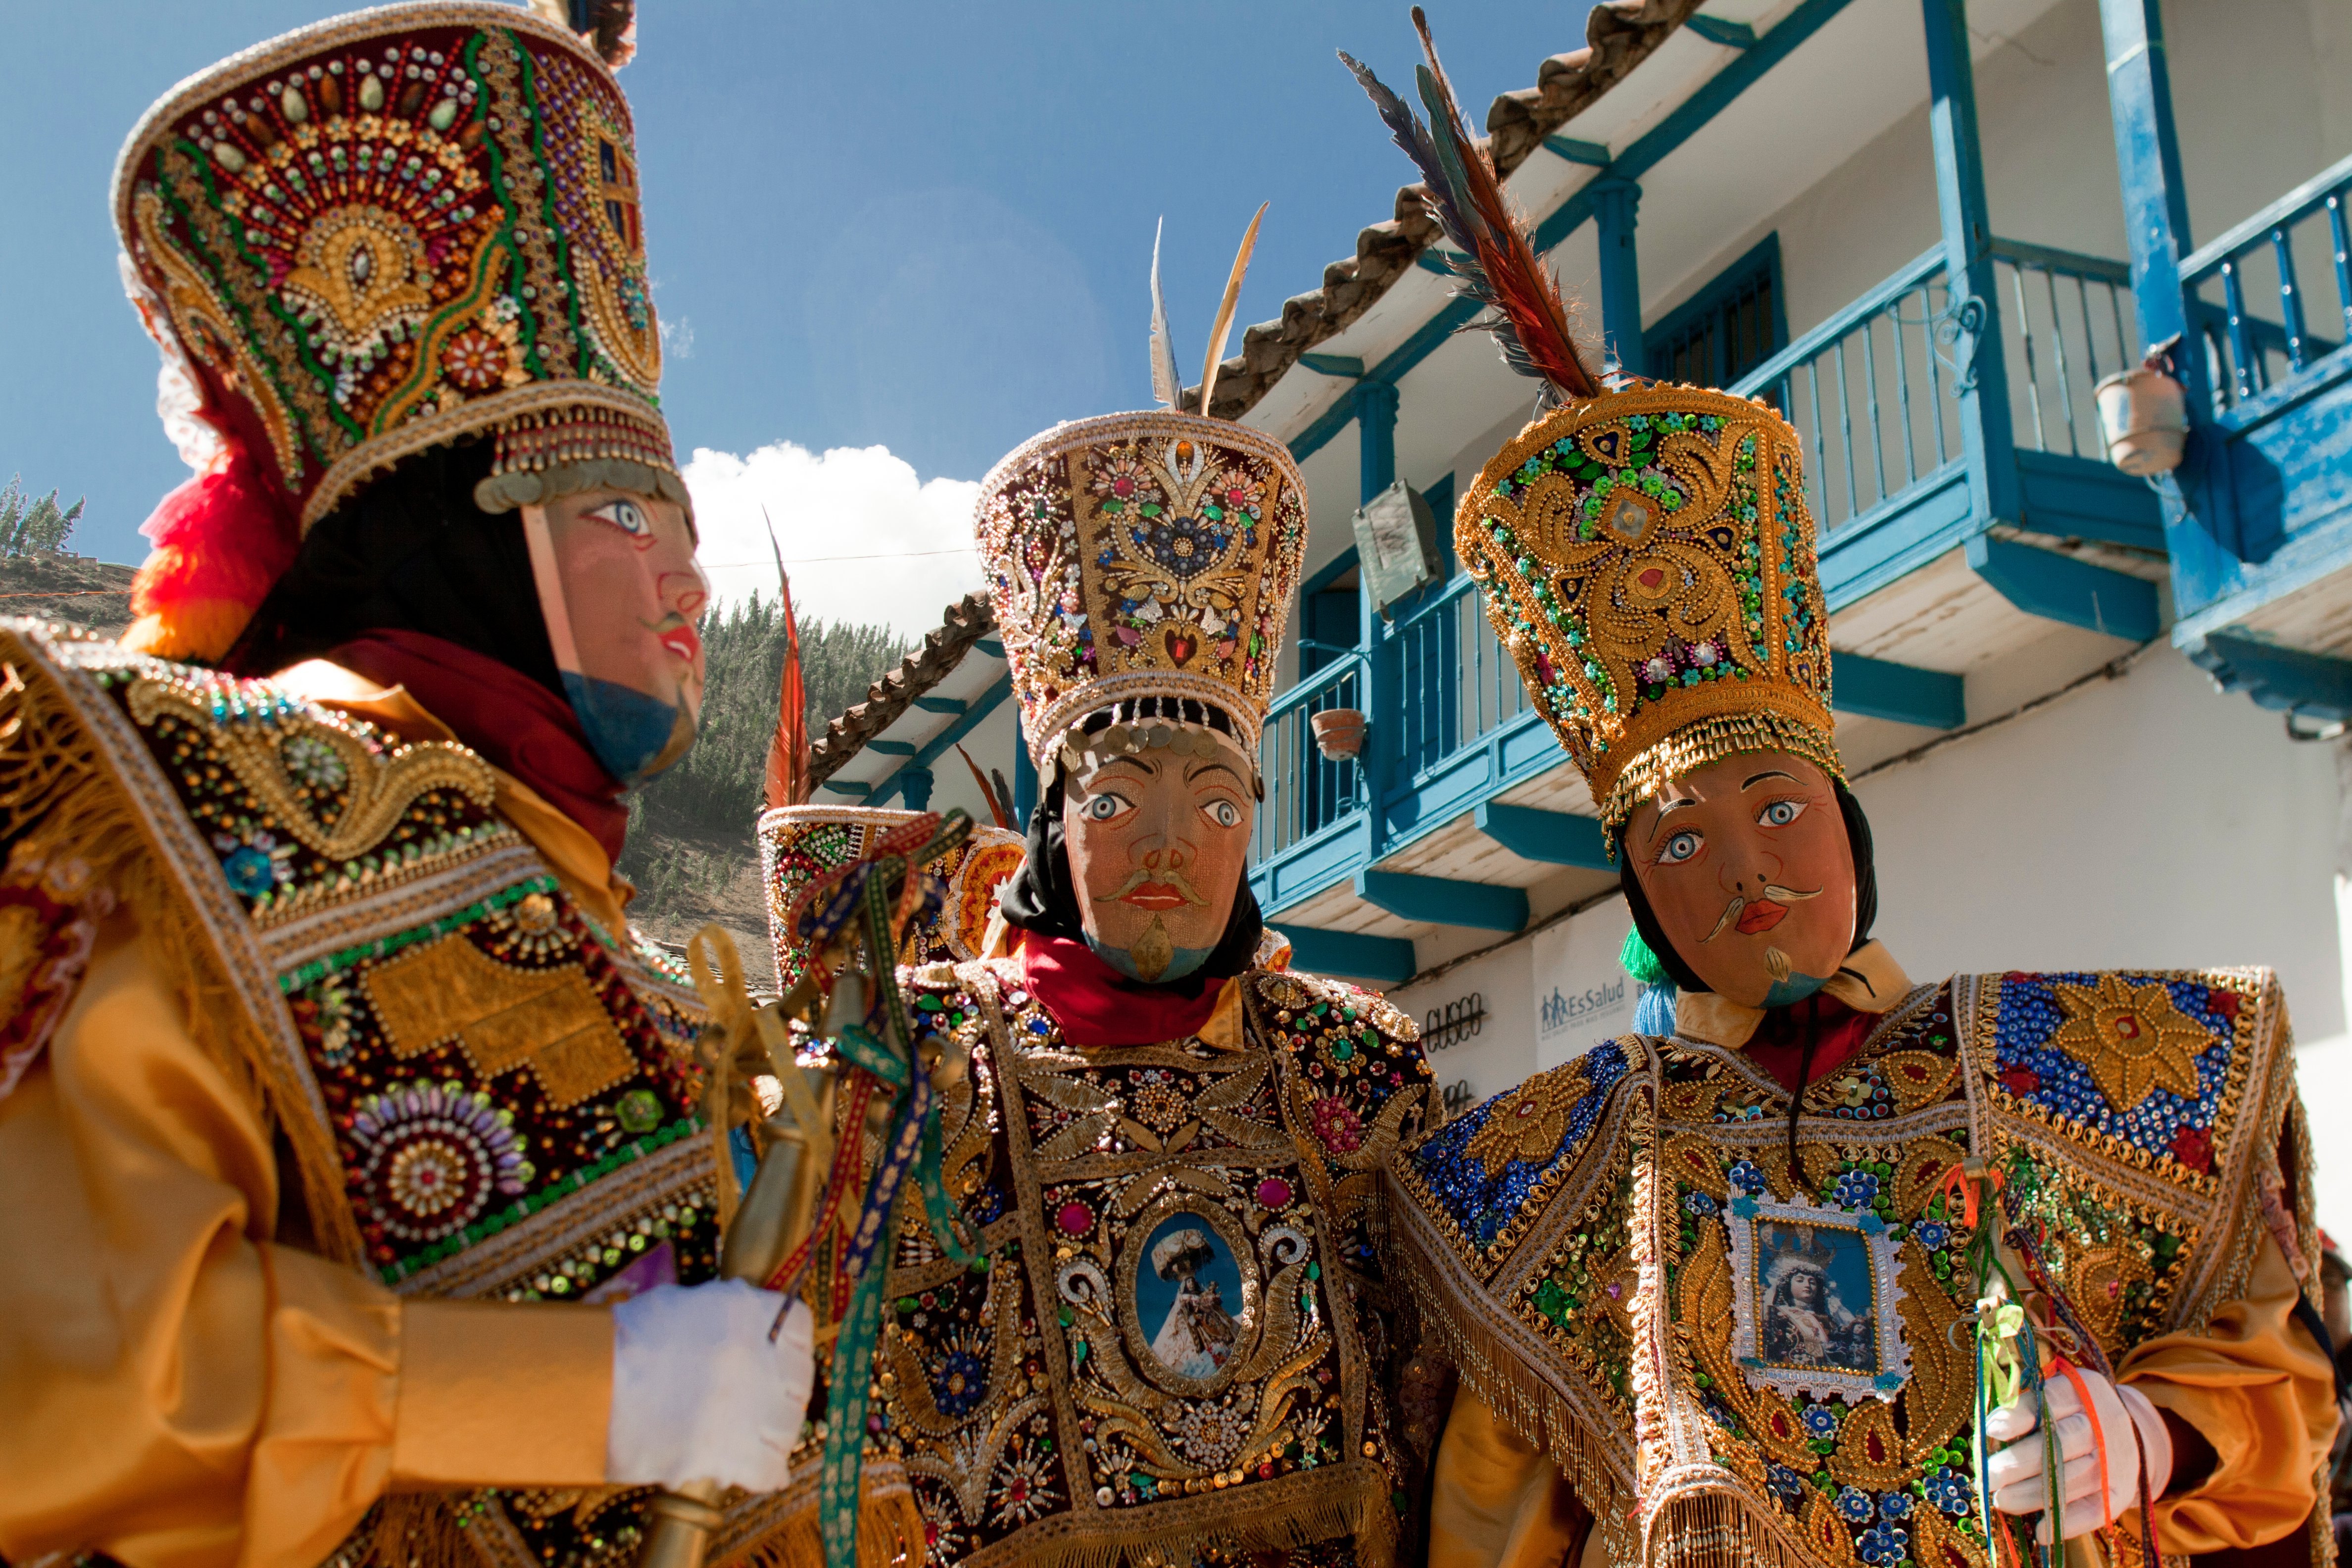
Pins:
x,y
2144,415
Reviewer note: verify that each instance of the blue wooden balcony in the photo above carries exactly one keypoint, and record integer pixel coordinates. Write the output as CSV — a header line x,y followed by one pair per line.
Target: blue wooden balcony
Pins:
x,y
2261,508
1921,436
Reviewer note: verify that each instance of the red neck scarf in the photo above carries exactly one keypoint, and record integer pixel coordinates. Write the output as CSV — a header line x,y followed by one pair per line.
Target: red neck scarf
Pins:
x,y
1838,1031
519,725
1096,1005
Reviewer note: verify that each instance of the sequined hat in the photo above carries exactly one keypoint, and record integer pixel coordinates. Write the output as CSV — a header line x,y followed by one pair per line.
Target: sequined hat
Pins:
x,y
1646,549
370,236
799,844
1142,555
1647,557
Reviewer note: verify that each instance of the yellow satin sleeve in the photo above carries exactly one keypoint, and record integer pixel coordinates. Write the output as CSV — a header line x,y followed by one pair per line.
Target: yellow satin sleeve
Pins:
x,y
181,1391
2255,1385
1498,1501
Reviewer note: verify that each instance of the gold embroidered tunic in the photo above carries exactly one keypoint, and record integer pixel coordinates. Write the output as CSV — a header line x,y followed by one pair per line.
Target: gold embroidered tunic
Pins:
x,y
1612,1254
350,1090
1182,1339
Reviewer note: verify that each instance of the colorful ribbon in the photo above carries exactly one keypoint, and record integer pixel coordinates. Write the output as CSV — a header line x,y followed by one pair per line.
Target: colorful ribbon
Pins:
x,y
886,894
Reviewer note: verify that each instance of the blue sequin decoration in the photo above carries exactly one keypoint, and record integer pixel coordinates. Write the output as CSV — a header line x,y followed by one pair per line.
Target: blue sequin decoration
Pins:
x,y
1485,1206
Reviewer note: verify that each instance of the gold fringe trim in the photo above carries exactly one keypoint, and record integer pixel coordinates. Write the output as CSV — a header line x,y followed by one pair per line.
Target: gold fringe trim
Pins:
x,y
1349,1500
58,789
889,1529
1709,1525
1497,1369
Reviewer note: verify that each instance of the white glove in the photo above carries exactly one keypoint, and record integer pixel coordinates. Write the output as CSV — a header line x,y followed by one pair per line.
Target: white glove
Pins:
x,y
699,1392
2016,1470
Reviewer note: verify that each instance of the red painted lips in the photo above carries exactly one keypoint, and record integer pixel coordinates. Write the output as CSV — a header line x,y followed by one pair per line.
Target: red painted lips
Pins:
x,y
1761,916
1154,896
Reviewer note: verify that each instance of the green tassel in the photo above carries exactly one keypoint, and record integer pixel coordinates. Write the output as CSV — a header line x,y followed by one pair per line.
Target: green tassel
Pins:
x,y
1642,963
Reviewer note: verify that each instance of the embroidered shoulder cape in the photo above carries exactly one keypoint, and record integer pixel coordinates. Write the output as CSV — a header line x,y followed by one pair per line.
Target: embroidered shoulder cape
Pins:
x,y
477,1093
1616,1259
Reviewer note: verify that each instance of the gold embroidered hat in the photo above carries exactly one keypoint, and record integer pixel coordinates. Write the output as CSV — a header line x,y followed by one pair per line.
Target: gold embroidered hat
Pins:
x,y
372,235
799,844
1142,565
1647,557
1646,549
1143,556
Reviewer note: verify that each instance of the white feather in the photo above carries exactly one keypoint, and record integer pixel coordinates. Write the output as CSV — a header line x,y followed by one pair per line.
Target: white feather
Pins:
x,y
1165,388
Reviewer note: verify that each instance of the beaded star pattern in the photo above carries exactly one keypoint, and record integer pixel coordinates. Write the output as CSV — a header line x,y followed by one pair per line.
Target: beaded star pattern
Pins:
x,y
1648,559
1142,555
378,234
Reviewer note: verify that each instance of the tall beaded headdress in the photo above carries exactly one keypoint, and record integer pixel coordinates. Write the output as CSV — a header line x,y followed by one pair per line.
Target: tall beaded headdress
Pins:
x,y
368,237
1645,551
799,844
1142,566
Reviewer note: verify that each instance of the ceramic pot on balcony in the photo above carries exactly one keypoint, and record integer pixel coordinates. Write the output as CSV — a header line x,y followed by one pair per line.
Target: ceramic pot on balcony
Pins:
x,y
2144,418
1338,732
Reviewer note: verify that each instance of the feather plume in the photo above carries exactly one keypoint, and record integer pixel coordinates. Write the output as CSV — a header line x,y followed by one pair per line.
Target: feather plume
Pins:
x,y
608,26
1498,264
1225,320
787,773
1405,126
999,809
1166,388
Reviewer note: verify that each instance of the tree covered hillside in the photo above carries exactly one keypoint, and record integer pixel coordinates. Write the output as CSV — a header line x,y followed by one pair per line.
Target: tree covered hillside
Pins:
x,y
691,851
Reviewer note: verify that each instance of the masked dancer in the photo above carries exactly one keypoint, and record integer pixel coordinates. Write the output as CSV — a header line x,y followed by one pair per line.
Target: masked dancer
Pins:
x,y
1839,1269
360,1166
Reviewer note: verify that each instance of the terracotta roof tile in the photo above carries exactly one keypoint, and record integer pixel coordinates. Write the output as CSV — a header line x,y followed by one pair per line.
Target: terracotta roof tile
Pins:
x,y
1618,35
967,621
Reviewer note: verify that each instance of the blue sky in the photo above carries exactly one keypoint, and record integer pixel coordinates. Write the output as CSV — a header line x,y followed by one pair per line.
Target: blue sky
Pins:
x,y
923,226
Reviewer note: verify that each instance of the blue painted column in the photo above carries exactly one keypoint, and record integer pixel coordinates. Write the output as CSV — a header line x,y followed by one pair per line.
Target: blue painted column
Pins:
x,y
1024,777
2155,225
1616,202
915,788
1984,435
1376,417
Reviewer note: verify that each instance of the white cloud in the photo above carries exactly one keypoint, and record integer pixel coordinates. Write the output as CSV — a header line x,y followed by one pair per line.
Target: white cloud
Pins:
x,y
864,538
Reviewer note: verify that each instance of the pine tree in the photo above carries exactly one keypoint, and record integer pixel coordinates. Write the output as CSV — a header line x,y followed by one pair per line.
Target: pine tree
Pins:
x,y
714,793
34,527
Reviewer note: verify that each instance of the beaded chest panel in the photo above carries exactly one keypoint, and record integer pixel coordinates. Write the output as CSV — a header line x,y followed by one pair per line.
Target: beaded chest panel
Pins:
x,y
1180,1336
504,1093
1630,1271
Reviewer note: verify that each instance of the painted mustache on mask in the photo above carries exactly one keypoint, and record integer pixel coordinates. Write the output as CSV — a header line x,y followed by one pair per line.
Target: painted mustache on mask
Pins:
x,y
1771,892
1165,877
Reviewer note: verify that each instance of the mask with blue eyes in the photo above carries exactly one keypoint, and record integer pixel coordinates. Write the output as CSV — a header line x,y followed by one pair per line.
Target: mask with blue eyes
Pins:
x,y
622,597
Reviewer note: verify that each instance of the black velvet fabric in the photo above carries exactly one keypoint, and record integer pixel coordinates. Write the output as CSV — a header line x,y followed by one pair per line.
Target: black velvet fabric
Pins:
x,y
410,552
1042,898
1865,894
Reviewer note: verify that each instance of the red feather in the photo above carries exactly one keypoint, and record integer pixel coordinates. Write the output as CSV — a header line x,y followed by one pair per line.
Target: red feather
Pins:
x,y
788,748
1523,287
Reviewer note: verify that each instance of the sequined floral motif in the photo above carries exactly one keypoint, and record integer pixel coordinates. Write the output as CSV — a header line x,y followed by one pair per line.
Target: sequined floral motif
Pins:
x,y
2132,1037
1212,1319
432,1154
1528,1122
1145,554
1457,1164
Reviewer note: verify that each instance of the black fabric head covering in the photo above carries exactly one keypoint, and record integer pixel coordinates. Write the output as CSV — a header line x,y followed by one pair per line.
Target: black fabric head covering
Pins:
x,y
1041,897
1865,893
409,552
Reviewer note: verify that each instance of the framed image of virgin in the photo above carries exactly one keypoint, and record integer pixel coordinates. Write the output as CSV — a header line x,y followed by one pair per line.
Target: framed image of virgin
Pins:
x,y
1813,1297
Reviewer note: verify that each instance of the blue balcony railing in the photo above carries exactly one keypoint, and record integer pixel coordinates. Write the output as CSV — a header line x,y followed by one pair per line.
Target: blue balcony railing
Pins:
x,y
1872,393
2263,262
